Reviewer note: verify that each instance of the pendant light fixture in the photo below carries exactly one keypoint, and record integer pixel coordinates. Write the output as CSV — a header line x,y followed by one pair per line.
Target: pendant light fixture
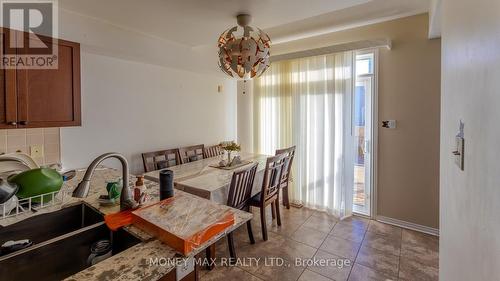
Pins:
x,y
244,50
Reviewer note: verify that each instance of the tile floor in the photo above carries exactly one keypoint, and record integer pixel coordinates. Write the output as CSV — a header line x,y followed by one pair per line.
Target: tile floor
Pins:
x,y
375,251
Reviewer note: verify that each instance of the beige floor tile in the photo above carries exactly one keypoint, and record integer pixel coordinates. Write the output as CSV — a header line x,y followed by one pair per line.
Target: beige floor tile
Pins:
x,y
348,231
363,273
391,231
297,214
324,214
418,238
378,260
337,268
287,228
291,220
382,243
227,273
294,239
410,269
356,221
309,236
419,246
308,275
420,253
341,247
324,224
277,246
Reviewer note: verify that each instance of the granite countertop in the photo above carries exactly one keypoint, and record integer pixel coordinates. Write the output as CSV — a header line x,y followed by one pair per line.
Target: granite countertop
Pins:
x,y
133,263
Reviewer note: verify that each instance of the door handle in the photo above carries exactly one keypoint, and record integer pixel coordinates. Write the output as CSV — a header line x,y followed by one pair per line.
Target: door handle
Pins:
x,y
23,123
13,123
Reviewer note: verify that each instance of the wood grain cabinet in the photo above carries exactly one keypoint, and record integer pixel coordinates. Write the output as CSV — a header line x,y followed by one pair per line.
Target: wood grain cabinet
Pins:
x,y
34,98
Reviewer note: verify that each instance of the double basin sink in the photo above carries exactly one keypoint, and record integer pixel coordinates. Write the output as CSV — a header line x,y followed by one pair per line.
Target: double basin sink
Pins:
x,y
61,243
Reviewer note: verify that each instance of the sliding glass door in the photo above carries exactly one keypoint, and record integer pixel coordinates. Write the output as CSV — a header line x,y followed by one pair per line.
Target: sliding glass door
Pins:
x,y
362,131
303,102
323,105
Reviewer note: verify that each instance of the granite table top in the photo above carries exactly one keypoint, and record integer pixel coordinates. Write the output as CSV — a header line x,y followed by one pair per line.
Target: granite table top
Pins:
x,y
133,263
203,180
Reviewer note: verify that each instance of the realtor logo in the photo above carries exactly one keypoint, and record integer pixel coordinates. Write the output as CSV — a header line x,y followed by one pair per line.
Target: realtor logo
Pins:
x,y
29,42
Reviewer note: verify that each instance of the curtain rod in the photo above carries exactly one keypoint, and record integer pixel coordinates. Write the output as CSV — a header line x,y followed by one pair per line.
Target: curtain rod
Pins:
x,y
357,45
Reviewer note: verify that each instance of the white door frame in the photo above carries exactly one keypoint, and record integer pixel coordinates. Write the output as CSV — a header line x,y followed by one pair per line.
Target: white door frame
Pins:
x,y
373,144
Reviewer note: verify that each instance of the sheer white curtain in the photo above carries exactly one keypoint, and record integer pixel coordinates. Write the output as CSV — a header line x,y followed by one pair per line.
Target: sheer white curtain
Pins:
x,y
303,102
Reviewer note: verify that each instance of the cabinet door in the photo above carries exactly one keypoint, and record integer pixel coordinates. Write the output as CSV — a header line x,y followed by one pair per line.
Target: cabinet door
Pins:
x,y
8,100
51,97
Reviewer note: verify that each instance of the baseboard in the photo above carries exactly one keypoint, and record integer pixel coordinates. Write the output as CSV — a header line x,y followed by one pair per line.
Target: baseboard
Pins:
x,y
409,225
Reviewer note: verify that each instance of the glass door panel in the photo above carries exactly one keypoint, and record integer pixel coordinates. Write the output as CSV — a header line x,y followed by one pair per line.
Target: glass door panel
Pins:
x,y
362,133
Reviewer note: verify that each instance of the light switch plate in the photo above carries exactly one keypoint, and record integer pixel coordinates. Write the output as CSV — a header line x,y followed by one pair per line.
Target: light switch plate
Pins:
x,y
36,151
459,152
389,124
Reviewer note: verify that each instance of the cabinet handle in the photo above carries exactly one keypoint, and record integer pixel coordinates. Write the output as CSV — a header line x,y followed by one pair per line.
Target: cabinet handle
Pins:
x,y
23,123
13,123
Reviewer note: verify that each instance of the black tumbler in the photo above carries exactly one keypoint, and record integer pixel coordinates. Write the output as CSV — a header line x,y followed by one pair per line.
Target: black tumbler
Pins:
x,y
166,184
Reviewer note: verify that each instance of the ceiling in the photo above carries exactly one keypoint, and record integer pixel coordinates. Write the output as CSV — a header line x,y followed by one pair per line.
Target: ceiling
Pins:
x,y
199,22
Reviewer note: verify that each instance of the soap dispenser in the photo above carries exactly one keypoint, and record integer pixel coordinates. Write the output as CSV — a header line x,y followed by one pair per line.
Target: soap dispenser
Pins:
x,y
139,190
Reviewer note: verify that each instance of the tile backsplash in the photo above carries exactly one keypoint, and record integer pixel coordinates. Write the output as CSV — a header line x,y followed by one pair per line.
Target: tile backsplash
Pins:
x,y
21,140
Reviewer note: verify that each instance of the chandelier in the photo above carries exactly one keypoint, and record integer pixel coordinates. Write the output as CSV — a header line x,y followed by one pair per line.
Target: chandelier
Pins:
x,y
244,50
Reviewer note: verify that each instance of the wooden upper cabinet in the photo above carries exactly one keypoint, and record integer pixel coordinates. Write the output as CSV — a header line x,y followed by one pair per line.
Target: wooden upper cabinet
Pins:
x,y
51,97
34,98
8,98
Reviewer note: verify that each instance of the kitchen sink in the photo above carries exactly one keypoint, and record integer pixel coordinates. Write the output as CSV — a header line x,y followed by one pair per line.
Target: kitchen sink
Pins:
x,y
47,226
61,243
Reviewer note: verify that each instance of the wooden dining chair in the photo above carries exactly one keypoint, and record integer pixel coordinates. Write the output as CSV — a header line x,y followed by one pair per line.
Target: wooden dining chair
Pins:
x,y
240,194
213,151
285,176
269,195
161,159
191,153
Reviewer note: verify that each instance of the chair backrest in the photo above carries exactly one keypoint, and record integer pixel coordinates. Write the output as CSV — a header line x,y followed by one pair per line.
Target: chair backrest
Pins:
x,y
191,153
272,177
213,151
158,160
240,190
287,166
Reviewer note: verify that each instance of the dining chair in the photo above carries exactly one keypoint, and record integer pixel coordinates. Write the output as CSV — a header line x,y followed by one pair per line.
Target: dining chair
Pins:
x,y
162,159
269,195
213,151
191,153
240,194
285,176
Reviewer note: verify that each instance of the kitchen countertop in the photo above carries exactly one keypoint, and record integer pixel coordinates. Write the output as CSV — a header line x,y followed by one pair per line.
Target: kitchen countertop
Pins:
x,y
133,263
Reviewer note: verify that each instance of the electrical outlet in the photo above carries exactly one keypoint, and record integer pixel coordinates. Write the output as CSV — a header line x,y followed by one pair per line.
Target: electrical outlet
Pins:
x,y
36,151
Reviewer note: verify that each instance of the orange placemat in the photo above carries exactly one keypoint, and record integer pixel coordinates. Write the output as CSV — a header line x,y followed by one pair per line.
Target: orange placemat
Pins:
x,y
117,220
184,222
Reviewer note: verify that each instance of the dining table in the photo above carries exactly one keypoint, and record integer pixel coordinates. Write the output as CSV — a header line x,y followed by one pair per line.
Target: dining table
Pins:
x,y
203,179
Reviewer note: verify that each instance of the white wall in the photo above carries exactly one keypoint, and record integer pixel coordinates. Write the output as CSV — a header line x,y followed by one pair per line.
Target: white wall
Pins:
x,y
245,115
131,107
470,199
140,93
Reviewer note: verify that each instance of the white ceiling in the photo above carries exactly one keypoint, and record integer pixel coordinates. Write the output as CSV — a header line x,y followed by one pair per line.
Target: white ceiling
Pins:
x,y
200,22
